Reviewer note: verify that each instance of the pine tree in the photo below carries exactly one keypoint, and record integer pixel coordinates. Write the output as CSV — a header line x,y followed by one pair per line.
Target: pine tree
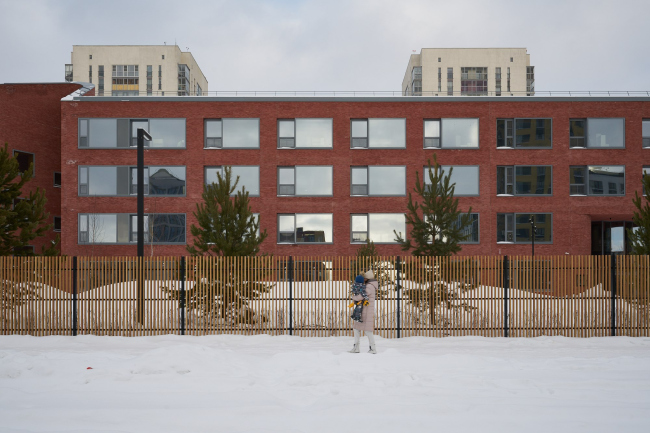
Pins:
x,y
640,235
22,219
227,227
440,228
437,233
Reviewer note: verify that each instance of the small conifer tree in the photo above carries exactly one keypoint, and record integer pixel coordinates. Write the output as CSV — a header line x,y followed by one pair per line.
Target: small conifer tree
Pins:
x,y
640,235
436,223
22,219
437,227
226,227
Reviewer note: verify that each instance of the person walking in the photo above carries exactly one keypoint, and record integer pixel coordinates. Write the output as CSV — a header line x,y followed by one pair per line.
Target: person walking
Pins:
x,y
367,322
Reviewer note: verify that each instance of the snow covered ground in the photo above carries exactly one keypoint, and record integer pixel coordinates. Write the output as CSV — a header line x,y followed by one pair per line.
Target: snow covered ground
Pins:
x,y
285,384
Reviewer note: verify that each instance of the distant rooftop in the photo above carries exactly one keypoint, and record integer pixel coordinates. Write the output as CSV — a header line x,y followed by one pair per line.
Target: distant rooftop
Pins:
x,y
283,95
397,93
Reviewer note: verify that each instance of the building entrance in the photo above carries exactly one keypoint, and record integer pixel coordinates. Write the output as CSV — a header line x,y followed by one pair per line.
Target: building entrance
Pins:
x,y
609,237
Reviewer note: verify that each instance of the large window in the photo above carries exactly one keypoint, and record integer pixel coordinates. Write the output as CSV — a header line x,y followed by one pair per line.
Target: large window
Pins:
x,y
123,180
525,180
597,133
305,180
378,133
646,172
305,228
122,133
232,133
517,227
597,180
466,178
378,227
525,133
305,133
121,228
646,133
249,177
378,180
451,133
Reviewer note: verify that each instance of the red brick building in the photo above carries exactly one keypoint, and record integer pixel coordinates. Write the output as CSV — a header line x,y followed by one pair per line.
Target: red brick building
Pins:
x,y
573,162
30,125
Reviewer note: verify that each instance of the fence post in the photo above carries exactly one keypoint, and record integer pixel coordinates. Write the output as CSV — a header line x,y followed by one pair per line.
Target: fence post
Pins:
x,y
290,277
506,286
181,302
398,288
613,289
74,295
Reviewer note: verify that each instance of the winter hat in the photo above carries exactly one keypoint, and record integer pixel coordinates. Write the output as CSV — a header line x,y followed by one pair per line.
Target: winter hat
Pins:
x,y
359,279
369,275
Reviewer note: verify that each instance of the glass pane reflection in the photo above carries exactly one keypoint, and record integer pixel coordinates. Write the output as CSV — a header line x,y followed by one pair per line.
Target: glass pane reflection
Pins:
x,y
313,228
387,180
543,224
241,133
460,133
102,228
387,132
249,177
102,181
167,132
313,133
465,178
606,132
213,128
381,226
606,179
103,133
166,180
313,180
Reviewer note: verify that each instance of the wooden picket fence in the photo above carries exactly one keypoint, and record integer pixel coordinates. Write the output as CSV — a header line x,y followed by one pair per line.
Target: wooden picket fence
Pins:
x,y
491,296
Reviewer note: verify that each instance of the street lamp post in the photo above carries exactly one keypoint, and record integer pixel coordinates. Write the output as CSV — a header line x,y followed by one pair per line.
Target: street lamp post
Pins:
x,y
533,231
142,136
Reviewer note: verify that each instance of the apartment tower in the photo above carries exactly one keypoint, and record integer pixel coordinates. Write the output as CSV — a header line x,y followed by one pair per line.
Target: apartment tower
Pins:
x,y
136,70
469,72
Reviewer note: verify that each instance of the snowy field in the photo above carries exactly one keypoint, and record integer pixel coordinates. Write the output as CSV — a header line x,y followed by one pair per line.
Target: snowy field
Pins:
x,y
291,384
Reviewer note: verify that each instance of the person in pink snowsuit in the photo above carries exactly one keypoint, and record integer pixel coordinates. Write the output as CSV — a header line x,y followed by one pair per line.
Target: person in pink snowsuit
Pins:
x,y
367,323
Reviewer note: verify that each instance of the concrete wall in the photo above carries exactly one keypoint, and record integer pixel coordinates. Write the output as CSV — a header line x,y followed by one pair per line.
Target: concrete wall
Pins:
x,y
414,60
571,215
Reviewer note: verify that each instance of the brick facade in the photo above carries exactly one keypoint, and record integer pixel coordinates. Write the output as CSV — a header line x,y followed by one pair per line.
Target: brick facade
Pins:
x,y
30,121
572,216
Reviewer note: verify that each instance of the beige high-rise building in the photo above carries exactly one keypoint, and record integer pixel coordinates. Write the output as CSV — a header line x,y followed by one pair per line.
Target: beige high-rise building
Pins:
x,y
470,72
132,70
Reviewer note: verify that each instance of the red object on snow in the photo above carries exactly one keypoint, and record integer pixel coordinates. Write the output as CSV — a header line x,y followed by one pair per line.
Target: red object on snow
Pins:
x,y
89,368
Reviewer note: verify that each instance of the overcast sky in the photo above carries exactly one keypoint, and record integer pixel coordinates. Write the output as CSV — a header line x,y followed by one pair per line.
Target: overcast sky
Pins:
x,y
335,45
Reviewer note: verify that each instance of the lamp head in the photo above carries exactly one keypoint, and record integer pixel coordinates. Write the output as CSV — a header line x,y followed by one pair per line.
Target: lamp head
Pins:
x,y
145,134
